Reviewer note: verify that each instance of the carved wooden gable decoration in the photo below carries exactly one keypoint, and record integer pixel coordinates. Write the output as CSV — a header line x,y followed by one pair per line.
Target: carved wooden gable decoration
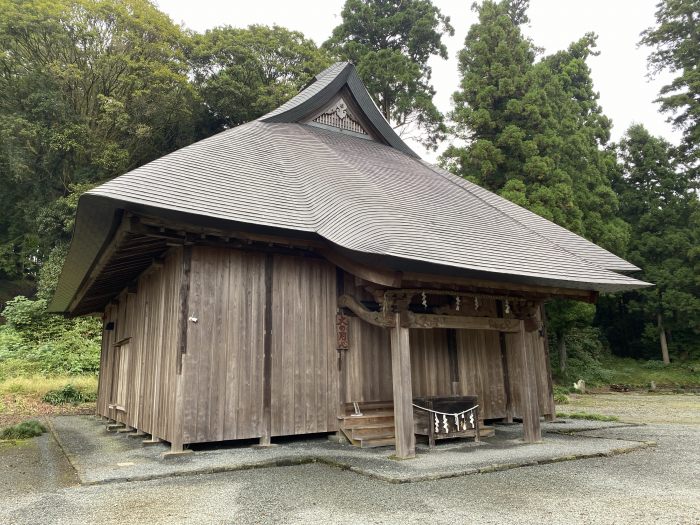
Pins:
x,y
339,115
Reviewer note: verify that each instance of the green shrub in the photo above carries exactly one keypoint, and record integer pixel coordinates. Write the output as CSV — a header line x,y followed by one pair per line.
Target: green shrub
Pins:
x,y
653,365
561,395
24,430
68,394
48,343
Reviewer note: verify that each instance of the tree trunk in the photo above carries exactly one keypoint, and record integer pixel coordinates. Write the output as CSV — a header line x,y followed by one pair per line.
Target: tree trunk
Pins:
x,y
662,338
561,345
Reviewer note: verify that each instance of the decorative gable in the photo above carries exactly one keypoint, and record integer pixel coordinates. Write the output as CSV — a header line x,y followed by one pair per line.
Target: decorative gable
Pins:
x,y
338,115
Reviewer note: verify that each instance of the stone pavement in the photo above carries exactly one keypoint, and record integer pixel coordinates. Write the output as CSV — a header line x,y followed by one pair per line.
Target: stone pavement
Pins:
x,y
102,457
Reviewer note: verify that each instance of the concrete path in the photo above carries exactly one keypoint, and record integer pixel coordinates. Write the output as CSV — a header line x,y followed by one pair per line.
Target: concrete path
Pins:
x,y
106,457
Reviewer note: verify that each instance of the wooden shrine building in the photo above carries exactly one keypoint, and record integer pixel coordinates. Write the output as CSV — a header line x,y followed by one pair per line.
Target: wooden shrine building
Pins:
x,y
260,282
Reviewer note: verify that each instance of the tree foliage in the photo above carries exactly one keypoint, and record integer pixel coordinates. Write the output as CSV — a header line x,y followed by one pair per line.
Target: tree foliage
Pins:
x,y
534,131
676,47
88,90
390,42
658,200
242,74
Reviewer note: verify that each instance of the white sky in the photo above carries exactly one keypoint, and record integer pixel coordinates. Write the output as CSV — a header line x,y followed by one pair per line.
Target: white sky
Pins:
x,y
619,72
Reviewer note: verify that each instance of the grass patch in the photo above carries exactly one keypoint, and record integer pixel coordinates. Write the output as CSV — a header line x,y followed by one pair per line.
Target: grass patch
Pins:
x,y
640,374
68,394
588,416
40,386
24,430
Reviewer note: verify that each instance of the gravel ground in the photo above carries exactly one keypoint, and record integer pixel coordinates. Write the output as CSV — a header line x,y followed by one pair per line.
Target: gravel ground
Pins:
x,y
653,485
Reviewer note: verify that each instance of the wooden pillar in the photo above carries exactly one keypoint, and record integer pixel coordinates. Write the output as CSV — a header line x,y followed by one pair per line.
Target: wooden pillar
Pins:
x,y
403,393
265,438
529,406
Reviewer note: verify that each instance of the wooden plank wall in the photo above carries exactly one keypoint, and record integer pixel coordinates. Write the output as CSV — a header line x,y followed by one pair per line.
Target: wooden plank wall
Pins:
x,y
481,370
305,395
222,396
430,363
104,384
367,363
223,367
141,373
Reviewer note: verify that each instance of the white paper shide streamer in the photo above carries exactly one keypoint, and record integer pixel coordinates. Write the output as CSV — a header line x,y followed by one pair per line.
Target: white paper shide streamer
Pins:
x,y
459,425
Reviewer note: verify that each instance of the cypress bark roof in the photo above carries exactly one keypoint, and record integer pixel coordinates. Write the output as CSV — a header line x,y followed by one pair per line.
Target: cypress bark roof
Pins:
x,y
369,195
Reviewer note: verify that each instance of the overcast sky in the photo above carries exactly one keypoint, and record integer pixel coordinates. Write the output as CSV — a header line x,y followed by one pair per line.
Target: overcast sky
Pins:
x,y
619,72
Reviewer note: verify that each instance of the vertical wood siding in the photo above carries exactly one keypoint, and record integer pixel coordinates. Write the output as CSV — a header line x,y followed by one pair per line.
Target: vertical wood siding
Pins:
x,y
481,370
222,396
367,363
304,359
140,374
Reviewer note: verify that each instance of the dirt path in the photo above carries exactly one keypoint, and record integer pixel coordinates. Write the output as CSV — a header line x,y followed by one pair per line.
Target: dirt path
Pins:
x,y
636,407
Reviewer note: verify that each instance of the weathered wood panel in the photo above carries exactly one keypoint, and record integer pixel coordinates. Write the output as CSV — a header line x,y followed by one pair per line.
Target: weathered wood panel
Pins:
x,y
430,363
222,394
481,370
304,359
367,363
139,374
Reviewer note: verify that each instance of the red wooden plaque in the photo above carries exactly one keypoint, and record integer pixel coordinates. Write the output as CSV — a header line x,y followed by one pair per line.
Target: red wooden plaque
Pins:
x,y
341,323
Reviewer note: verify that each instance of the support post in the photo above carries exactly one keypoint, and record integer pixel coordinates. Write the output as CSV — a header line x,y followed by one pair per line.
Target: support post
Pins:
x,y
265,438
529,407
403,393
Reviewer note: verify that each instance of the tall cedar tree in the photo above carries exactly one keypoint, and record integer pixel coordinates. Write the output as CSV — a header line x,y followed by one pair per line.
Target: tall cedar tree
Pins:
x,y
676,48
88,90
659,202
390,42
242,74
534,133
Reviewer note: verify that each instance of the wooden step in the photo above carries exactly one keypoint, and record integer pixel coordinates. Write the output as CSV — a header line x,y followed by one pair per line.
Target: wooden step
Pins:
x,y
362,421
381,442
368,406
370,413
372,433
371,427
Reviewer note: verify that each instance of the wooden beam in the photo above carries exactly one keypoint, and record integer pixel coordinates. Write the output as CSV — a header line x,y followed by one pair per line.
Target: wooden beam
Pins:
x,y
403,391
491,287
375,318
413,320
529,406
375,275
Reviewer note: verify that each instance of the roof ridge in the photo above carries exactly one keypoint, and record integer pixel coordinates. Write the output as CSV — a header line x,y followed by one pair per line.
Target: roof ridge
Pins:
x,y
327,85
